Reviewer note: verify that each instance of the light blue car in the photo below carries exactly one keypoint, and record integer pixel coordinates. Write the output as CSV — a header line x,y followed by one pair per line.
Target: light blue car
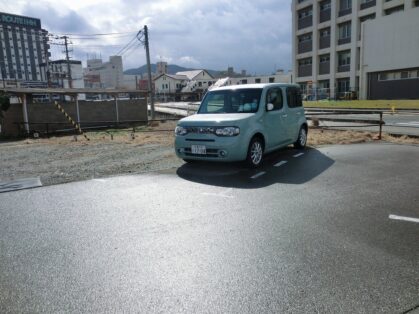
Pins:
x,y
242,123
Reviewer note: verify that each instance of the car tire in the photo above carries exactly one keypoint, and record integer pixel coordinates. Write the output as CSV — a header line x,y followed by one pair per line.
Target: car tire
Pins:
x,y
254,156
301,141
189,160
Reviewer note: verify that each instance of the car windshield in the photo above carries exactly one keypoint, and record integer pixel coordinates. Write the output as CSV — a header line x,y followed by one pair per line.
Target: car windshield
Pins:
x,y
231,101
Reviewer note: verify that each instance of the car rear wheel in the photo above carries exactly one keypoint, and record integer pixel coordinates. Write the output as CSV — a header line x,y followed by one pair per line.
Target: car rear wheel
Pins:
x,y
302,138
255,153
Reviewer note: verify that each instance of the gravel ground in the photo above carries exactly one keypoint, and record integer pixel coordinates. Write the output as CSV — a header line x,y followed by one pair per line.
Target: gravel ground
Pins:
x,y
61,159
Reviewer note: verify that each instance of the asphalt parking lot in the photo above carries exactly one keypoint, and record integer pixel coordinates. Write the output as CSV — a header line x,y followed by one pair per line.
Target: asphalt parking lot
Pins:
x,y
327,230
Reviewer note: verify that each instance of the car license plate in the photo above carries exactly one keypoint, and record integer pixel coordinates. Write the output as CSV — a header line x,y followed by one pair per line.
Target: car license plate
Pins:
x,y
198,149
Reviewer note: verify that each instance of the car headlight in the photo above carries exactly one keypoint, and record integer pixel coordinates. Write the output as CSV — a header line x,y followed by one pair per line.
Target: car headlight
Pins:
x,y
227,131
180,130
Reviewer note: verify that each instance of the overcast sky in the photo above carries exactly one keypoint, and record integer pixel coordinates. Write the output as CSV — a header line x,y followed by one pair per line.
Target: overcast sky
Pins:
x,y
246,34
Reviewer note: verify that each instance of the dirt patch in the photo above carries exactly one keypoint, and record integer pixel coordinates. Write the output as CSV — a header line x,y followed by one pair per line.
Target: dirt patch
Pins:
x,y
115,152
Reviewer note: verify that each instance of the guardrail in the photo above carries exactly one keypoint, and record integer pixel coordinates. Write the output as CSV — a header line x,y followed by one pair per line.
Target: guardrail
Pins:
x,y
317,114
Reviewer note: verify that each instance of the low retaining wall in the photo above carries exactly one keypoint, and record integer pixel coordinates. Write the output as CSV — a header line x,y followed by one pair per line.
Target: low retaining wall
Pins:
x,y
91,114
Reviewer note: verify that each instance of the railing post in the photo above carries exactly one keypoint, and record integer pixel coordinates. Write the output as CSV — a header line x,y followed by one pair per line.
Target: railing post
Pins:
x,y
381,125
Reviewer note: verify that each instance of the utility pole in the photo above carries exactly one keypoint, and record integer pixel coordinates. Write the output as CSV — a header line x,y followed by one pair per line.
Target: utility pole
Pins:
x,y
150,85
70,82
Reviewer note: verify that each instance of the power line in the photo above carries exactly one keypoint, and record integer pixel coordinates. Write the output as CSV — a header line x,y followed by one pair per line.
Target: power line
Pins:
x,y
102,34
126,46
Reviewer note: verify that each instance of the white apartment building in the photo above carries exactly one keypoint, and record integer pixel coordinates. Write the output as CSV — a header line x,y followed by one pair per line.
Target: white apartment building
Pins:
x,y
23,48
110,73
332,44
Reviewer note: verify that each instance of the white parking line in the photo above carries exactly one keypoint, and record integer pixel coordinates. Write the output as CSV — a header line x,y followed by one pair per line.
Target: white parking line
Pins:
x,y
298,155
279,164
404,218
257,175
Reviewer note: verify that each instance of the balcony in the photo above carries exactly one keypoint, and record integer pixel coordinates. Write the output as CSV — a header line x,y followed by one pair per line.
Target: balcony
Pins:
x,y
325,15
343,41
305,46
324,67
324,42
305,22
345,12
344,68
368,4
304,70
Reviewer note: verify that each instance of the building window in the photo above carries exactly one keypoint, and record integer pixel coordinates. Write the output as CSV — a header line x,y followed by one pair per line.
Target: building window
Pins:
x,y
344,33
305,13
344,58
305,17
304,38
324,58
325,32
305,43
325,5
345,7
325,11
343,87
345,4
304,62
257,80
394,10
271,80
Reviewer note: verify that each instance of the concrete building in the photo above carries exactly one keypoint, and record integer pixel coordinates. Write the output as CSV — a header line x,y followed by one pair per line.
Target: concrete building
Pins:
x,y
111,72
23,48
186,81
201,80
59,76
161,68
335,40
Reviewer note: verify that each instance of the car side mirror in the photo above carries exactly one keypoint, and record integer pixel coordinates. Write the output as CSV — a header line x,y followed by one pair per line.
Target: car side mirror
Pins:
x,y
269,107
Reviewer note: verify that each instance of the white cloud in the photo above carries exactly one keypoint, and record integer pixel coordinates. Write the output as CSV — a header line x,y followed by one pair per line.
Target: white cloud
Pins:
x,y
188,61
245,34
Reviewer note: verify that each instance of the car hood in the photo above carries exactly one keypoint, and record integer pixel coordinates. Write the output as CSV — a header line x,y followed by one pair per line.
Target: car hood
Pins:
x,y
214,119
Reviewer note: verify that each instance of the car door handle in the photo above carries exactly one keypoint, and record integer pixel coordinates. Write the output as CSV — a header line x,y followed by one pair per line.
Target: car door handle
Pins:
x,y
284,115
298,113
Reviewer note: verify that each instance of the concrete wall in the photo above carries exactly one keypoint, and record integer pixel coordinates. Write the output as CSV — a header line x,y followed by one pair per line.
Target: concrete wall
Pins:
x,y
393,89
393,44
93,112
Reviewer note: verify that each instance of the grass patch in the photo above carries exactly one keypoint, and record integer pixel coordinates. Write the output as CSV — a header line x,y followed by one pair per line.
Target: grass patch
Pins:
x,y
360,104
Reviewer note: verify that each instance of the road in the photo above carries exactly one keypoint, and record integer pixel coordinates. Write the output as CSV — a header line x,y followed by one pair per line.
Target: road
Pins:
x,y
308,232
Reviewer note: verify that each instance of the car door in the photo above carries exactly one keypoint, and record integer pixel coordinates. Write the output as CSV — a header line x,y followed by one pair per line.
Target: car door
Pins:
x,y
275,121
295,111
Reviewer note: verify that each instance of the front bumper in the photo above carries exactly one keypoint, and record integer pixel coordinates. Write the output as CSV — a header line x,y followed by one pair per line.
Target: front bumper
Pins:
x,y
217,148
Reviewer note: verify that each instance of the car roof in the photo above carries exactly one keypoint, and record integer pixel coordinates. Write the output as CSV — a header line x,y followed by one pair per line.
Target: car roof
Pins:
x,y
251,86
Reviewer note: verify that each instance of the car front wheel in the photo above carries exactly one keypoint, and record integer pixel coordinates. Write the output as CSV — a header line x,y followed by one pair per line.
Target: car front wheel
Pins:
x,y
255,153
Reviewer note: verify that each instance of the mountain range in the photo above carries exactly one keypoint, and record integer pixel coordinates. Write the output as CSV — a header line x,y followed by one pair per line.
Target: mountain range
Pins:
x,y
171,69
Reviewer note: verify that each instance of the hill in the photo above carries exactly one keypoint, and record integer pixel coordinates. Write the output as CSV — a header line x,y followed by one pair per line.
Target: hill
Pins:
x,y
171,69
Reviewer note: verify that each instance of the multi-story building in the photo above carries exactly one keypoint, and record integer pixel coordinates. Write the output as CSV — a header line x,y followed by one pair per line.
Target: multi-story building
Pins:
x,y
23,48
110,73
332,38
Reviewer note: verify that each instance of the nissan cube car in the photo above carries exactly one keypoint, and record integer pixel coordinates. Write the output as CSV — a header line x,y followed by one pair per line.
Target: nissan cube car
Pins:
x,y
242,123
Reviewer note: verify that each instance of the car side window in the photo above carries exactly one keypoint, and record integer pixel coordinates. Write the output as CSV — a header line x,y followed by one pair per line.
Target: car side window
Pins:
x,y
294,99
274,96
